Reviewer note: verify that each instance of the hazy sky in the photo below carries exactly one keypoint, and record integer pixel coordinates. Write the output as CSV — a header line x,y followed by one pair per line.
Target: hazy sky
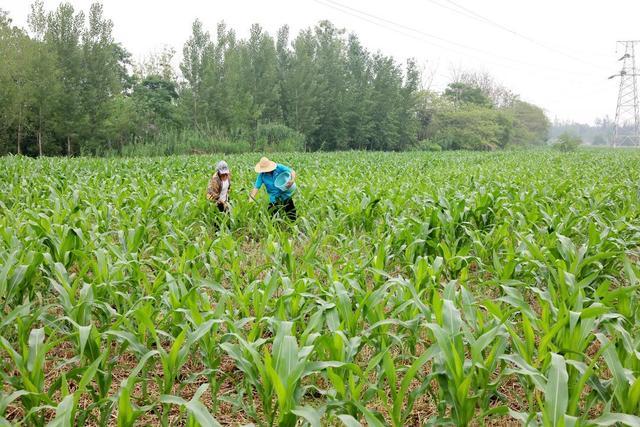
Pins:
x,y
560,60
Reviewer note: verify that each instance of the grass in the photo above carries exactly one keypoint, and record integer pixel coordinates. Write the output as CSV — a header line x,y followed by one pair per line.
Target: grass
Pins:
x,y
437,288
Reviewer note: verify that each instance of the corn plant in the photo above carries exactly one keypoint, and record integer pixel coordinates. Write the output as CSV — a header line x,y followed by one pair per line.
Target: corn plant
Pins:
x,y
452,288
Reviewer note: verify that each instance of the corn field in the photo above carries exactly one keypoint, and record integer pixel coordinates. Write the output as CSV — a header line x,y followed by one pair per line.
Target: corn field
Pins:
x,y
414,289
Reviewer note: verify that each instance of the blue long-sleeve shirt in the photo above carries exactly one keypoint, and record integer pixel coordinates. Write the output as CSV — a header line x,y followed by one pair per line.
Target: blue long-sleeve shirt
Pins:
x,y
268,180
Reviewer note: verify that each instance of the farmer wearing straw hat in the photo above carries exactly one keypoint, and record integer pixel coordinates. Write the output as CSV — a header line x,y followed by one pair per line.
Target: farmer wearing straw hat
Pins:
x,y
219,186
278,180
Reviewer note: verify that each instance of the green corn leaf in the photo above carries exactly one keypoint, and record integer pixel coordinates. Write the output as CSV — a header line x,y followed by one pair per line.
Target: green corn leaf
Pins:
x,y
89,374
18,312
617,419
452,321
64,413
126,413
369,417
634,395
524,368
349,421
277,383
311,415
83,334
177,348
315,367
201,414
556,391
612,360
36,347
172,400
131,339
285,356
6,400
202,330
390,373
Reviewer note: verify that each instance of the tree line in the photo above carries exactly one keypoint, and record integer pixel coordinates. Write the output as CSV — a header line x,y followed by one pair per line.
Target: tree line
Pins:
x,y
68,88
599,134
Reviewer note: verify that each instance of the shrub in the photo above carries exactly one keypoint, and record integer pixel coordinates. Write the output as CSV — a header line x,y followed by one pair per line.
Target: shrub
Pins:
x,y
428,145
277,137
567,142
172,142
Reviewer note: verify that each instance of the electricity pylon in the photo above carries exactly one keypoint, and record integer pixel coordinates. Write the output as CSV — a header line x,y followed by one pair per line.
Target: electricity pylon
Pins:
x,y
627,127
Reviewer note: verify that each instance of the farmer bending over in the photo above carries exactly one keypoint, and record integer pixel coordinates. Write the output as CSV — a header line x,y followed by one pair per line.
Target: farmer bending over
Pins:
x,y
278,180
218,190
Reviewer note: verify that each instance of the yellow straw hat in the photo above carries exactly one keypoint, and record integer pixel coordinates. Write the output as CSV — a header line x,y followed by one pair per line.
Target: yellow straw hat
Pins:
x,y
265,165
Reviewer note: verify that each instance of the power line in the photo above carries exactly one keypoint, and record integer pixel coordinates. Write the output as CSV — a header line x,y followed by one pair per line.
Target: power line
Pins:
x,y
474,15
339,6
368,18
346,9
341,9
432,75
358,14
512,31
390,29
408,33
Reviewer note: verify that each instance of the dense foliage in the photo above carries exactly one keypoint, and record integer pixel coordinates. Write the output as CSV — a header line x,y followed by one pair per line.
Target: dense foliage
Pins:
x,y
567,142
414,287
68,88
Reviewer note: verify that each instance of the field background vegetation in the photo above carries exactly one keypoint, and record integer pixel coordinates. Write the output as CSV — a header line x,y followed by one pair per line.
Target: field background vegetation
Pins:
x,y
441,288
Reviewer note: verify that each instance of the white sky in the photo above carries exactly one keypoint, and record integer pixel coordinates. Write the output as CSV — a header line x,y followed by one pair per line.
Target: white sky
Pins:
x,y
564,69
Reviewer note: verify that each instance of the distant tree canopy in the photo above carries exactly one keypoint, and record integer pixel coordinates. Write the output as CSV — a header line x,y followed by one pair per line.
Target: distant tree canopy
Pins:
x,y
471,118
462,94
68,88
599,133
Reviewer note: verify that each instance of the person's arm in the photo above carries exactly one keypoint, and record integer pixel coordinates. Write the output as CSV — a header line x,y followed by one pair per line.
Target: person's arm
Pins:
x,y
292,180
213,192
256,187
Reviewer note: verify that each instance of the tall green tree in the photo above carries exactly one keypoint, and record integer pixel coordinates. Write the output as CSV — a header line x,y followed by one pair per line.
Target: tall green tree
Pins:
x,y
243,112
63,36
358,119
283,61
264,74
302,86
197,53
12,82
156,98
408,113
500,96
387,102
329,133
531,123
126,121
42,92
462,93
216,94
103,62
